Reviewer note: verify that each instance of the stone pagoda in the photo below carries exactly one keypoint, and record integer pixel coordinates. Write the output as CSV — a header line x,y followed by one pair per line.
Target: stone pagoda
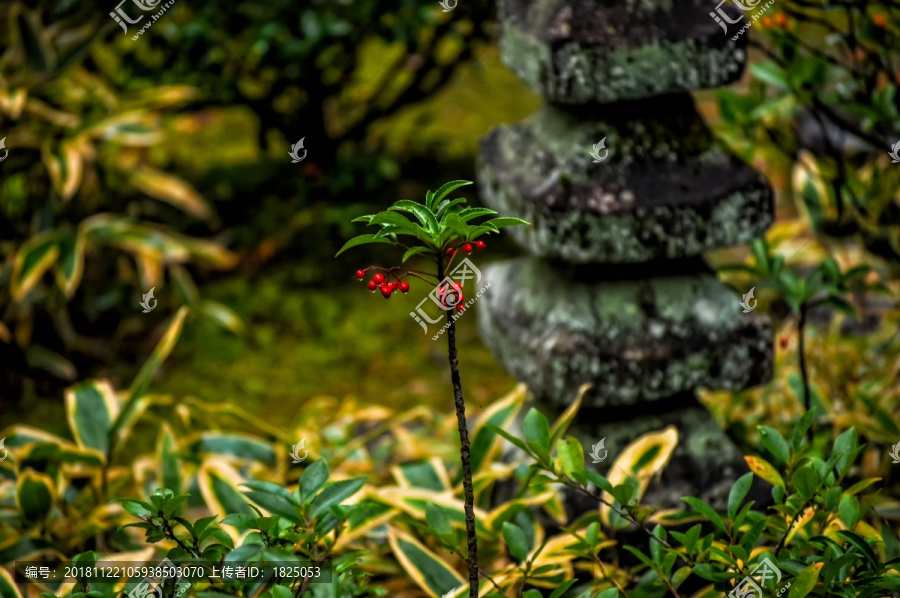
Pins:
x,y
625,188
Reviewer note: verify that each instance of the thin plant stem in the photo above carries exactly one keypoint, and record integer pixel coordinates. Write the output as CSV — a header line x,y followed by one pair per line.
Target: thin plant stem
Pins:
x,y
464,447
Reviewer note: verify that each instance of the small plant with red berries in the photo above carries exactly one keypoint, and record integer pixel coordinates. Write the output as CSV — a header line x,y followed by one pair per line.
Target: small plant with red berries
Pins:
x,y
438,229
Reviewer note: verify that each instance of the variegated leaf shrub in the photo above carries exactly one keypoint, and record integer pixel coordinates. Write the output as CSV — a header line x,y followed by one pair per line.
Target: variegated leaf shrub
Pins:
x,y
81,199
144,477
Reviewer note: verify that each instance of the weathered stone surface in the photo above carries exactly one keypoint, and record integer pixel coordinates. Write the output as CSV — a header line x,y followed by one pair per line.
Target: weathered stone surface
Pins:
x,y
665,190
577,51
555,327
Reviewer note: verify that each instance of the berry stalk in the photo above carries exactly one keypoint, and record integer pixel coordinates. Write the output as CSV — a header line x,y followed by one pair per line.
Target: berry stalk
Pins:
x,y
464,446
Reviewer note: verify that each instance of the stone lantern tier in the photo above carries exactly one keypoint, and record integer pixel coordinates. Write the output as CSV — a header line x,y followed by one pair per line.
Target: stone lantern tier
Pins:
x,y
580,51
664,189
635,339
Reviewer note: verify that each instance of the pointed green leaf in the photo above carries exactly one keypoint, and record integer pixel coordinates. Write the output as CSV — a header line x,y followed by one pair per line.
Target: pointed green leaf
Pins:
x,y
362,240
334,494
738,493
414,251
515,539
445,190
504,222
423,214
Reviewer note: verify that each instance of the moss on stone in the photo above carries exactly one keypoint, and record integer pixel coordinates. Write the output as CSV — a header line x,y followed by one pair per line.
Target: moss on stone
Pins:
x,y
634,340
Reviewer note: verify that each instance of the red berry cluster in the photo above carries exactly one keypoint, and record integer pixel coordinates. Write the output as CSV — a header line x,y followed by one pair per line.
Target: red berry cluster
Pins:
x,y
380,283
467,247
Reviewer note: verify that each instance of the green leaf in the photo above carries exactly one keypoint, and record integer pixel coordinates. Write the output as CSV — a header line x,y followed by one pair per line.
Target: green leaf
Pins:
x,y
860,543
738,493
800,429
34,495
423,214
609,593
275,499
414,251
805,481
515,441
805,581
446,207
90,408
771,73
537,428
437,520
571,454
563,588
70,264
845,445
705,510
362,240
424,567
444,191
139,386
334,494
312,480
515,539
33,259
775,443
473,213
849,511
504,222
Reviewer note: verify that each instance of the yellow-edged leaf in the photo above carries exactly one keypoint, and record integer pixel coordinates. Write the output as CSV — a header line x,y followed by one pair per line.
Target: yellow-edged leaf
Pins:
x,y
646,456
142,380
70,265
171,190
32,260
8,588
91,407
430,573
65,166
35,494
485,443
561,425
763,469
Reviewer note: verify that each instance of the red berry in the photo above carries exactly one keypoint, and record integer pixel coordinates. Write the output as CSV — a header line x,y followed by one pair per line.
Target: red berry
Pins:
x,y
378,278
394,284
386,291
460,308
467,248
450,251
404,286
456,286
360,274
373,285
784,342
479,244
